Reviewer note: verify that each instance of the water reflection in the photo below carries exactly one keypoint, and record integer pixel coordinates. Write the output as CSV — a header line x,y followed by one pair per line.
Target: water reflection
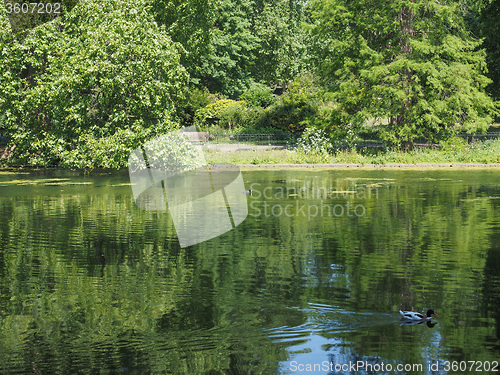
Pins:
x,y
89,283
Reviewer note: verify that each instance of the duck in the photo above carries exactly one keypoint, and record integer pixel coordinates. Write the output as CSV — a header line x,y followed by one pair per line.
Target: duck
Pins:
x,y
411,315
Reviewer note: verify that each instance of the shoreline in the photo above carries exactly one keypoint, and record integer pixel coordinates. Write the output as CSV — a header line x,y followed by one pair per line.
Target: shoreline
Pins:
x,y
341,166
371,166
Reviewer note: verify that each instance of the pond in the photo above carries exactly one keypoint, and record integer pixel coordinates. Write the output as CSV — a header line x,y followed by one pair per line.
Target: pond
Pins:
x,y
309,283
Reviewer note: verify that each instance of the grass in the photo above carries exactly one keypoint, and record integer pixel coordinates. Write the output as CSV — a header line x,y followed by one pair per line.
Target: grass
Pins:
x,y
485,152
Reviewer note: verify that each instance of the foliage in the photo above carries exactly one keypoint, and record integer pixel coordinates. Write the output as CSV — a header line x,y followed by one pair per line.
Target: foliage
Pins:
x,y
172,152
454,144
193,100
314,140
294,107
10,81
239,115
414,63
481,17
330,118
228,114
103,74
85,88
490,30
189,23
217,39
258,95
475,152
282,41
228,44
226,65
21,22
211,113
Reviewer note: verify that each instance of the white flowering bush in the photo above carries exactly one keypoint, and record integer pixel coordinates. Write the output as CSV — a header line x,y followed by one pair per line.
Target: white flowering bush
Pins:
x,y
170,152
314,141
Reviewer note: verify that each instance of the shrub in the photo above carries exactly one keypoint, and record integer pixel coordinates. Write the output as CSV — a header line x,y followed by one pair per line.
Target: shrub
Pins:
x,y
210,114
234,115
194,99
239,115
291,111
228,114
258,95
314,141
454,144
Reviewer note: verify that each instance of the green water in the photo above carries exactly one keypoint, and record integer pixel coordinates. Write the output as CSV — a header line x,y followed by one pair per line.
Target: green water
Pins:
x,y
309,282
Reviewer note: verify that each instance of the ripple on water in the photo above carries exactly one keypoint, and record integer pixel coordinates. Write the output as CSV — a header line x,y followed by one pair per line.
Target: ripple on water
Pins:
x,y
327,319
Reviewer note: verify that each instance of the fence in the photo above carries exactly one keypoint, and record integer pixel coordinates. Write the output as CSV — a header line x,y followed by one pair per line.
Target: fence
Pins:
x,y
291,140
479,136
256,139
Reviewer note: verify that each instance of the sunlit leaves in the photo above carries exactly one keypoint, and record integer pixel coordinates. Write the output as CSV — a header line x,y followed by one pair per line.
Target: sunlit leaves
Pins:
x,y
102,77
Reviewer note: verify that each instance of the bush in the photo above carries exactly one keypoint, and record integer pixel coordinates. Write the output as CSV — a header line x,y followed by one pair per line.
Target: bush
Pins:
x,y
258,95
194,100
228,114
314,141
233,116
291,111
454,144
239,115
220,113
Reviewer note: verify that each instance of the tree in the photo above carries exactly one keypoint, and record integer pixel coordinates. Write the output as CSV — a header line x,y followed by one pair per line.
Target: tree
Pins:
x,y
25,16
490,30
10,65
90,86
413,62
191,23
216,38
281,41
229,44
482,19
227,65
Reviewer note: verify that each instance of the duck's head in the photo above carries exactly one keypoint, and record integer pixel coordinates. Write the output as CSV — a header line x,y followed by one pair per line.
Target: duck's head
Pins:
x,y
431,312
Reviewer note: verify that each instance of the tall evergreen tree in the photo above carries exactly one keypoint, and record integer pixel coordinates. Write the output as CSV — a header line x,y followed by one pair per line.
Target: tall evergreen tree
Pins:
x,y
490,30
413,62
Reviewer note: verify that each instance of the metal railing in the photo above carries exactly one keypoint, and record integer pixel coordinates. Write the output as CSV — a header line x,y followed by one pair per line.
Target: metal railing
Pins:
x,y
291,140
255,139
479,136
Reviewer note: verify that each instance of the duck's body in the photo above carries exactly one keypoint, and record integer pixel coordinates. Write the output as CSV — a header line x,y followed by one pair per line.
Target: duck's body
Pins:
x,y
411,315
